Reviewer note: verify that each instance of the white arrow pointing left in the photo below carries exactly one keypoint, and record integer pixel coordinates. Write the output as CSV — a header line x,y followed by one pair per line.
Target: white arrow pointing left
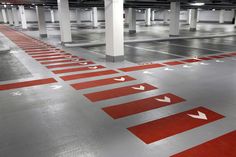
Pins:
x,y
139,88
166,99
199,116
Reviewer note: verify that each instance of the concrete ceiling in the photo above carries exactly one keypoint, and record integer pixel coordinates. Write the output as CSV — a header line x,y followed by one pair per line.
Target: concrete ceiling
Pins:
x,y
157,4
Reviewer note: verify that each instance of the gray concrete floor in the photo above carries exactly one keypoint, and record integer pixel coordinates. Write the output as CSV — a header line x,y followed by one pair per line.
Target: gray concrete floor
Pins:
x,y
44,121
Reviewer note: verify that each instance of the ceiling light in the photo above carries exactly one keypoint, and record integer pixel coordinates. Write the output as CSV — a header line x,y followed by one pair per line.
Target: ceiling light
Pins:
x,y
197,4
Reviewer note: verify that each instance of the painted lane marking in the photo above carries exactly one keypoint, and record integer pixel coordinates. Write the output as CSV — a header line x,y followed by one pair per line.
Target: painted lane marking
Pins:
x,y
219,61
168,69
187,66
199,116
67,65
172,63
94,67
17,93
55,87
141,67
147,72
77,69
159,129
122,79
139,88
166,99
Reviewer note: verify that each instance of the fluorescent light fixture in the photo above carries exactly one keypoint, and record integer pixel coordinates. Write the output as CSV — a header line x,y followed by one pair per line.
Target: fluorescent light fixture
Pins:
x,y
213,9
197,4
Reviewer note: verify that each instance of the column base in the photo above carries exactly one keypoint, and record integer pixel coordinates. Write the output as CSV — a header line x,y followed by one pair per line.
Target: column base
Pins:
x,y
115,58
132,31
193,29
43,35
173,35
63,43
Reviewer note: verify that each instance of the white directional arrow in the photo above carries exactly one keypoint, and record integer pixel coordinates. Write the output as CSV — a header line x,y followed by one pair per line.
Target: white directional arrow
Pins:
x,y
139,88
204,63
219,61
14,52
166,99
93,67
147,72
187,66
199,116
168,69
56,87
17,93
122,79
84,63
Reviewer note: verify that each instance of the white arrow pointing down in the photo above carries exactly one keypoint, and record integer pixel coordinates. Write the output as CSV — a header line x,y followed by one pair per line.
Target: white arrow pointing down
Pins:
x,y
166,99
120,79
139,88
199,116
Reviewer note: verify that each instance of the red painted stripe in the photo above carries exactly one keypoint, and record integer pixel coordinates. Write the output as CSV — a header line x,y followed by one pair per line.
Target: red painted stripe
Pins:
x,y
77,69
205,58
225,55
118,92
216,57
69,65
138,106
60,61
43,53
169,126
173,63
223,146
37,50
27,84
87,75
102,82
53,58
141,67
191,60
50,55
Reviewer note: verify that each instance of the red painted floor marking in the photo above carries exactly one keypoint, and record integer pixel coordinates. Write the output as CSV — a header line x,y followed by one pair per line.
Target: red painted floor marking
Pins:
x,y
205,58
191,60
216,57
27,84
54,62
53,58
102,82
141,67
223,146
37,50
173,63
138,106
70,64
118,92
44,53
169,126
50,55
87,75
225,55
78,69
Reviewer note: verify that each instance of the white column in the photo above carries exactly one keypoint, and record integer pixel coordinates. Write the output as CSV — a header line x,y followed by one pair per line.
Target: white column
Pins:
x,y
114,30
132,20
193,20
198,15
221,16
41,21
153,15
174,18
234,18
127,16
148,17
4,16
9,15
15,17
78,16
52,16
188,16
64,18
165,16
22,16
95,17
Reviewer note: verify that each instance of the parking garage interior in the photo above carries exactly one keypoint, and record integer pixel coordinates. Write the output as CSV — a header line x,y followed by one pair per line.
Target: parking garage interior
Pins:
x,y
117,78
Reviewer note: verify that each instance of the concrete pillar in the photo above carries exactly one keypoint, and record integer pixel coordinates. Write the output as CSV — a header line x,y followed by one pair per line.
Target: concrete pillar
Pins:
x,y
41,21
114,30
198,15
127,16
174,18
132,20
78,16
221,16
193,20
52,16
234,18
64,18
10,16
22,16
95,17
153,15
4,15
165,17
15,17
188,16
148,17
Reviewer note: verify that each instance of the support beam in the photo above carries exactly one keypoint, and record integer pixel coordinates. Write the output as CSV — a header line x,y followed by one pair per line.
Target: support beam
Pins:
x,y
221,16
41,21
4,15
78,16
165,17
193,20
23,17
15,17
10,16
52,16
132,20
95,17
114,30
174,18
64,18
148,17
188,16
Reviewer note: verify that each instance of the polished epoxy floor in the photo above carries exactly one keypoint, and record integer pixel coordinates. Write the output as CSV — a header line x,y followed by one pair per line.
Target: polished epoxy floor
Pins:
x,y
59,120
